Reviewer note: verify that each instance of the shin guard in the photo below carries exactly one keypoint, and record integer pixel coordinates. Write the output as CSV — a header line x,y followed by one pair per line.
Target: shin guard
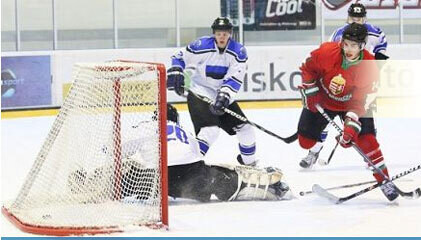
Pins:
x,y
369,145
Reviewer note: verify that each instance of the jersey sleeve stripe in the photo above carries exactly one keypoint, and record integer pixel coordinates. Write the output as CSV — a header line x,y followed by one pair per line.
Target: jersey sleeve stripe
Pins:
x,y
233,84
236,56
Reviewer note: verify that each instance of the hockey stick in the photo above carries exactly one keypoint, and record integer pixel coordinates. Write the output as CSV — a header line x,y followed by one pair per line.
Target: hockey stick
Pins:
x,y
339,187
413,194
324,163
337,200
348,185
288,140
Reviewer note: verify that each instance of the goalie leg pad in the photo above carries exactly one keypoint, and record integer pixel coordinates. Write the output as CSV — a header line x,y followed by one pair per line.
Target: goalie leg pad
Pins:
x,y
224,181
193,181
258,184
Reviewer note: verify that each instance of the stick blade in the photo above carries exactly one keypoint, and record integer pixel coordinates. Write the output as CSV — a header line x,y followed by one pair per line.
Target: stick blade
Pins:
x,y
325,194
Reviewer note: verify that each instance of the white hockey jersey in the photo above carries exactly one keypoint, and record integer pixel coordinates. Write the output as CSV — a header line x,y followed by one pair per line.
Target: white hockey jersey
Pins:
x,y
376,41
183,147
213,70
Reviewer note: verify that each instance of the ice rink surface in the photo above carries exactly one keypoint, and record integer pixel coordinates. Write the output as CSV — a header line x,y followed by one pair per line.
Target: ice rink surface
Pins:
x,y
367,215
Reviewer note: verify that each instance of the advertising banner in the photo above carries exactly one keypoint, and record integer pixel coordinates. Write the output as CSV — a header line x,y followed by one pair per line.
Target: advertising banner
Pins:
x,y
261,15
25,81
376,9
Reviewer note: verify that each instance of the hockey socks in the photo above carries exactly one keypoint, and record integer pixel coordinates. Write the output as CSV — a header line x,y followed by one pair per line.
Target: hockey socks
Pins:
x,y
247,144
206,137
369,145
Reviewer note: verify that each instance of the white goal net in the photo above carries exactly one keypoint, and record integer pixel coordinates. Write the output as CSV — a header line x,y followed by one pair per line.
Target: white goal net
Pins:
x,y
103,166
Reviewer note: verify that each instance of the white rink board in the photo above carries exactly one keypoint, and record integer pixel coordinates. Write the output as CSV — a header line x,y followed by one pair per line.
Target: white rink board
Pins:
x,y
273,71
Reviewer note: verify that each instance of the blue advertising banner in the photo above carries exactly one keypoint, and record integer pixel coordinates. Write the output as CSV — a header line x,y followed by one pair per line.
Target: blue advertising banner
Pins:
x,y
25,81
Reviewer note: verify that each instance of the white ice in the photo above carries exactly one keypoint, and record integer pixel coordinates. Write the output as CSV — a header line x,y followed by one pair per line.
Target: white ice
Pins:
x,y
367,215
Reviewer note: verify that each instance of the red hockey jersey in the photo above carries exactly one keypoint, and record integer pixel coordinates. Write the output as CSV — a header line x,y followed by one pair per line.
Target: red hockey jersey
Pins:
x,y
343,86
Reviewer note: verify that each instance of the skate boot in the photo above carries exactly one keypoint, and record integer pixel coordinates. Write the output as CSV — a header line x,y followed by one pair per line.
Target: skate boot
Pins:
x,y
389,191
310,159
240,160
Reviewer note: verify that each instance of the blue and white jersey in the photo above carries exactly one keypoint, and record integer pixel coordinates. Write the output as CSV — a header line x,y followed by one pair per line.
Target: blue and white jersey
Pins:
x,y
183,147
376,41
213,70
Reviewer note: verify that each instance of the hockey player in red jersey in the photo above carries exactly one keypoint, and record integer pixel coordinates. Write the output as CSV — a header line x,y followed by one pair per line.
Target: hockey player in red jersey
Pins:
x,y
336,77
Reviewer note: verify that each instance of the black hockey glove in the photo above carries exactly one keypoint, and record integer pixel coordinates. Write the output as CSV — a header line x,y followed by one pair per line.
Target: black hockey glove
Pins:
x,y
176,80
222,101
380,56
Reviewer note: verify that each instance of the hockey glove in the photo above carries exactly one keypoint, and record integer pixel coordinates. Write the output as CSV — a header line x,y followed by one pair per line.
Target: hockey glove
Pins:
x,y
352,128
222,101
176,80
310,96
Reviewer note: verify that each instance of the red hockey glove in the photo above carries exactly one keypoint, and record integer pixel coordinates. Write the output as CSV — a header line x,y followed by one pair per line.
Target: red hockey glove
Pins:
x,y
352,128
310,95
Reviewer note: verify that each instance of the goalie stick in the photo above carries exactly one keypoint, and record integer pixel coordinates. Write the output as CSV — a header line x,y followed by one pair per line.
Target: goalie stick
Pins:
x,y
337,200
288,140
413,194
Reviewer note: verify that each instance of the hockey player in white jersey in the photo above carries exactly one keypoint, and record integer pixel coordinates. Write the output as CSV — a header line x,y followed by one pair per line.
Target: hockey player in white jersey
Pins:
x,y
376,44
376,41
188,175
218,65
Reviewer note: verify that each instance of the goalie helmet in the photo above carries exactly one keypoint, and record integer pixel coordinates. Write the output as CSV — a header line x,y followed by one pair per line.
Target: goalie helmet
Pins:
x,y
172,114
357,10
222,23
355,32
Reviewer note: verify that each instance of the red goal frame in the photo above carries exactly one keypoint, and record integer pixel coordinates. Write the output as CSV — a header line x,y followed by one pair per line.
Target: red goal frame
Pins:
x,y
162,101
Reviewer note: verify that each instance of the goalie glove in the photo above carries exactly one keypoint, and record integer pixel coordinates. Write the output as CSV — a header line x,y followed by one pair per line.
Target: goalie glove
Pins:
x,y
352,128
310,95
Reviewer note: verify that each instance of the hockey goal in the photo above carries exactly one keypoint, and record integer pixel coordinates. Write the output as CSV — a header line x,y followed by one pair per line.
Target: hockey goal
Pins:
x,y
103,166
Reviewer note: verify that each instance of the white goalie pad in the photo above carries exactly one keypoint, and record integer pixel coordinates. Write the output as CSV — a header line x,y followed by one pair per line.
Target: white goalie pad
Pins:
x,y
261,184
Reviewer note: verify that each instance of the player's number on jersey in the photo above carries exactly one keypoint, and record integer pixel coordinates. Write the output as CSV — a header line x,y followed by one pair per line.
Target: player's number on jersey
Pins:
x,y
174,133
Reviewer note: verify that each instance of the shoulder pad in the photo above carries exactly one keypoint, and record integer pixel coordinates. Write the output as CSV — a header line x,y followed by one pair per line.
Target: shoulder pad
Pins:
x,y
237,50
372,28
338,33
203,44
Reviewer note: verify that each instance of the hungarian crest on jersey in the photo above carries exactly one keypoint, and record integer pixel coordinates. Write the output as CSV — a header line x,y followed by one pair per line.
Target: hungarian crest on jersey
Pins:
x,y
337,85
